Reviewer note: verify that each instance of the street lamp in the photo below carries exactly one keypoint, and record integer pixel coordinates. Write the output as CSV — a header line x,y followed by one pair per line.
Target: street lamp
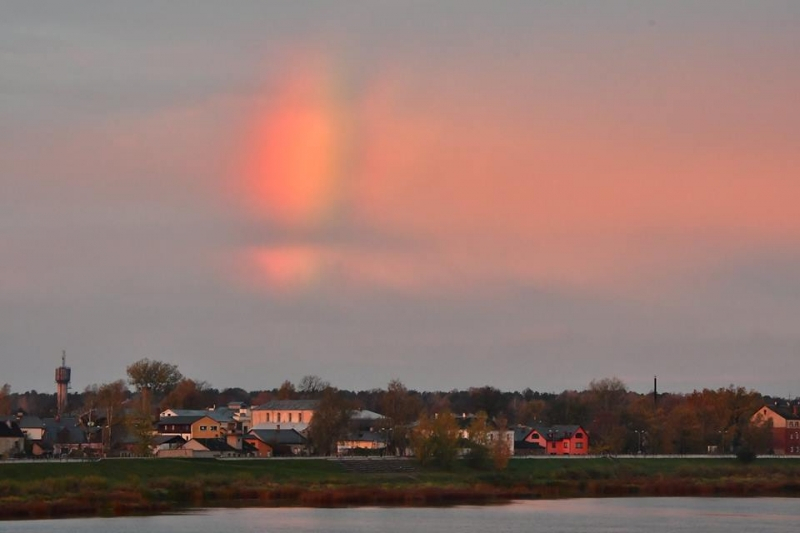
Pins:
x,y
722,440
639,433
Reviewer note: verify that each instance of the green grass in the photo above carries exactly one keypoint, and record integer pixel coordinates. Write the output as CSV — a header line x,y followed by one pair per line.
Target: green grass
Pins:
x,y
153,485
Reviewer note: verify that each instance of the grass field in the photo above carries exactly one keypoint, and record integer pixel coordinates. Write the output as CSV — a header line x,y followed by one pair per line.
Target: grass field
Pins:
x,y
155,485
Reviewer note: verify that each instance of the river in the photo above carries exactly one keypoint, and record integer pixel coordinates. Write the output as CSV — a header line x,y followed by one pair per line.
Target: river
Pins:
x,y
640,515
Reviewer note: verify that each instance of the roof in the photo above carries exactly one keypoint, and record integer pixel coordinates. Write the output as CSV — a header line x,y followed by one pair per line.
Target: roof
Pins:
x,y
288,405
25,422
297,426
784,410
520,432
66,430
365,436
277,436
215,445
167,439
10,429
181,420
220,414
557,432
526,445
364,414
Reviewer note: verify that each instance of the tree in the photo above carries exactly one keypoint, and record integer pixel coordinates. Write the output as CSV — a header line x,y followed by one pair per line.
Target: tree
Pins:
x,y
152,378
478,443
287,391
189,394
607,403
110,397
311,386
5,399
400,409
141,429
435,440
329,424
500,448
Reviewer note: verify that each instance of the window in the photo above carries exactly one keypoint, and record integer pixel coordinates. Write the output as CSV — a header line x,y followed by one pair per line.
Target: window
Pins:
x,y
278,418
267,417
566,445
579,445
290,417
299,417
579,435
203,428
213,428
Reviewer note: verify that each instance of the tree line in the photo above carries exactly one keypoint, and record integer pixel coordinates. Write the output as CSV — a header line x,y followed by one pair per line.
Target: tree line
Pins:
x,y
617,419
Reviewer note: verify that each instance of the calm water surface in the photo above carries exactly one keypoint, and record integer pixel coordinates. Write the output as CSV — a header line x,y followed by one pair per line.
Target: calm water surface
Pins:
x,y
650,515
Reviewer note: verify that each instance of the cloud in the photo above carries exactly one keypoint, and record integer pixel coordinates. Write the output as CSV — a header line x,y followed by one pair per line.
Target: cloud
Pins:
x,y
541,193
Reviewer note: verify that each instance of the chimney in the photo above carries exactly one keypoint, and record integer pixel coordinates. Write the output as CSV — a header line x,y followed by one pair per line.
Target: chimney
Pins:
x,y
794,409
655,391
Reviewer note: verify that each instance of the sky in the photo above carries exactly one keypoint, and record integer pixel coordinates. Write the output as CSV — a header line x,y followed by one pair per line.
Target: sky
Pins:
x,y
453,193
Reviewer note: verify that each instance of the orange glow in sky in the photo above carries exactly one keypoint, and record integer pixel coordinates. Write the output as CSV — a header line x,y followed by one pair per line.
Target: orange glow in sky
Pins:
x,y
295,151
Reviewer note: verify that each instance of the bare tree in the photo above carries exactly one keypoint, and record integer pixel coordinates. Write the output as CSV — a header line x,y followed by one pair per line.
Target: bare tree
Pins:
x,y
110,397
401,409
311,386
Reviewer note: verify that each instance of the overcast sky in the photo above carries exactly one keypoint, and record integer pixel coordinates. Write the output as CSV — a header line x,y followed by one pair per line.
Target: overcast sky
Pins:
x,y
452,193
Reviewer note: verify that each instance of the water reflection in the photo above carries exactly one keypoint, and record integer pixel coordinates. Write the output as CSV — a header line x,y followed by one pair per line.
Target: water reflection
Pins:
x,y
653,515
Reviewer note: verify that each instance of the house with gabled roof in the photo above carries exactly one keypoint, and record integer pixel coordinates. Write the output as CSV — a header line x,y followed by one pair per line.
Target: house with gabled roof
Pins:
x,y
191,427
784,421
31,426
559,439
277,442
12,439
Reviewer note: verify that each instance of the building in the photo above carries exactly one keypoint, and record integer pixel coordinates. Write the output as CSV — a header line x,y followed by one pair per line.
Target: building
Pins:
x,y
785,423
557,440
12,439
285,413
32,426
191,427
277,442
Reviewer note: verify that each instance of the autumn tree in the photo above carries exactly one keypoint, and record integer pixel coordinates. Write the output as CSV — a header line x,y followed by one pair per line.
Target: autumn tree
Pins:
x,y
607,400
400,409
500,449
478,454
5,399
329,424
435,440
287,391
152,378
140,428
189,394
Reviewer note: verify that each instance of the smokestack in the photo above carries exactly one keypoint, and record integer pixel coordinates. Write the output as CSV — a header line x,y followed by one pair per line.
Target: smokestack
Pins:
x,y
655,391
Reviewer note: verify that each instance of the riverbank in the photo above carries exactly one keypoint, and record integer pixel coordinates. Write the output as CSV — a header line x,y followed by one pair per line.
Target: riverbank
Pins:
x,y
121,487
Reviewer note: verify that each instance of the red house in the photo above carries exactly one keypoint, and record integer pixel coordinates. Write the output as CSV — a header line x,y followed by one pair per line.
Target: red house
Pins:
x,y
785,423
560,440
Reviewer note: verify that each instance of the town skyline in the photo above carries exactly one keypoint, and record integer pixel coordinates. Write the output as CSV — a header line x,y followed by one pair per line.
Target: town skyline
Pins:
x,y
455,194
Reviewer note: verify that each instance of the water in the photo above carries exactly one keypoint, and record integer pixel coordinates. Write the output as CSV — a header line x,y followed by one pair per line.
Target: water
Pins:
x,y
651,515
